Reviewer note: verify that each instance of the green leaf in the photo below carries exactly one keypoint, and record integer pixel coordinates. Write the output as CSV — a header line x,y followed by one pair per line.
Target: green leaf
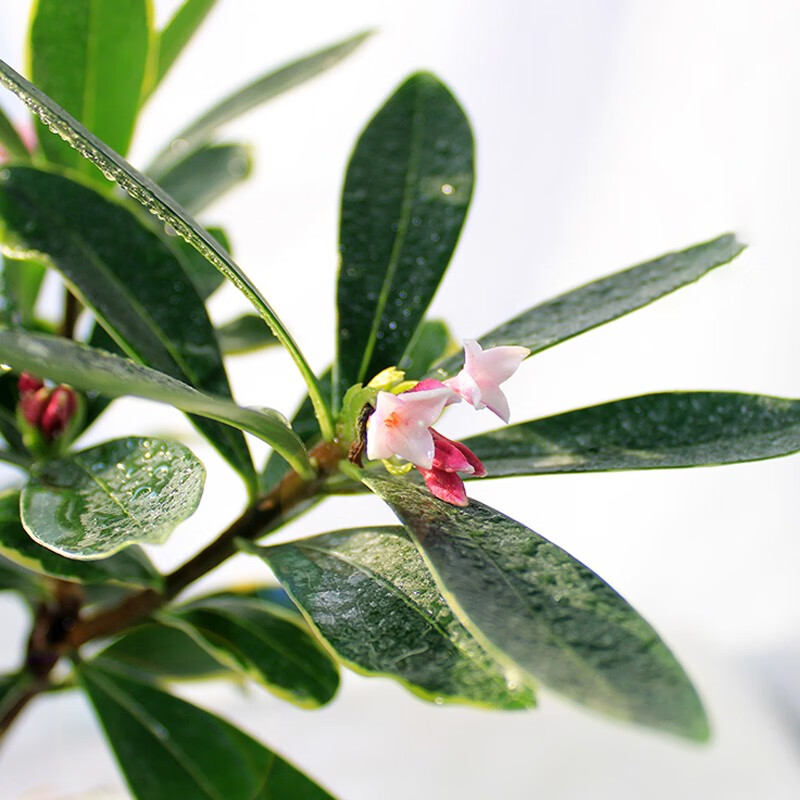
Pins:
x,y
371,598
143,190
123,492
405,198
16,579
20,283
154,650
433,342
90,56
263,642
169,749
176,35
10,140
85,368
206,278
127,276
263,89
305,425
206,174
672,429
606,299
129,568
547,612
9,397
246,334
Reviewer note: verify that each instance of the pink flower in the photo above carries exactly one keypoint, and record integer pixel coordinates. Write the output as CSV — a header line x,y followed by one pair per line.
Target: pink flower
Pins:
x,y
400,424
484,370
449,459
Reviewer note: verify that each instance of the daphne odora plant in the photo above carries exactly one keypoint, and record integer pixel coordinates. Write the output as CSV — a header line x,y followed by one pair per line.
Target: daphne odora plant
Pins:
x,y
458,602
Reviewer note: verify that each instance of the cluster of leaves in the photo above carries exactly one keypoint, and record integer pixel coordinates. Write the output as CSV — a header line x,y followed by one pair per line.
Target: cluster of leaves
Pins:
x,y
461,605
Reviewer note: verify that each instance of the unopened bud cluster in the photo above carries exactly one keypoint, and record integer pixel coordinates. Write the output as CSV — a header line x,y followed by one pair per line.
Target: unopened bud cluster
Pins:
x,y
48,411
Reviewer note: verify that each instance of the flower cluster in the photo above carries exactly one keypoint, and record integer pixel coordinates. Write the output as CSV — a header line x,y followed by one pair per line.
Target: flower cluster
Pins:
x,y
401,424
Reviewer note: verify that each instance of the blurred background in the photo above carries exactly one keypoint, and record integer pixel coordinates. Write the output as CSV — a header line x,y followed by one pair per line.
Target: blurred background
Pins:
x,y
608,133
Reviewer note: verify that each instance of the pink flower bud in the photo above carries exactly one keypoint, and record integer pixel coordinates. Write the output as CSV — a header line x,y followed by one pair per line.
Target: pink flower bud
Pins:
x,y
447,486
33,403
449,459
59,410
28,383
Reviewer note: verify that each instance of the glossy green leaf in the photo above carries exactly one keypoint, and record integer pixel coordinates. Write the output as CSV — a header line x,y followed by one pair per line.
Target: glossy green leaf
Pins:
x,y
261,90
20,283
176,35
551,615
91,56
305,425
246,334
432,343
205,277
10,140
17,579
170,749
127,276
143,190
369,594
9,397
263,642
88,369
207,174
606,299
406,193
673,429
98,501
129,568
154,650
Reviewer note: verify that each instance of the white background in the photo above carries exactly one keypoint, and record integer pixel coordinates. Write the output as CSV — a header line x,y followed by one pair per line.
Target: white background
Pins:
x,y
608,133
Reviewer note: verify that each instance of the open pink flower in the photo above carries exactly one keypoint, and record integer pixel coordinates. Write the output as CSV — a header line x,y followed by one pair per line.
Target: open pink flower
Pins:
x,y
449,459
484,370
400,425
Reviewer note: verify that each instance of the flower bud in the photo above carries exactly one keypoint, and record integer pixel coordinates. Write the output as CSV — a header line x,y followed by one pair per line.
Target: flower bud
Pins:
x,y
58,412
28,383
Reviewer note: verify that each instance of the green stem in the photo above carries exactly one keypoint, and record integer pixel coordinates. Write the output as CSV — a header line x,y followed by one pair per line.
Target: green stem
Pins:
x,y
158,202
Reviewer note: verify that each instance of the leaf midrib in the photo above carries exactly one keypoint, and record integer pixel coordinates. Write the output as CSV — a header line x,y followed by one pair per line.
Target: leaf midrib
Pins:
x,y
141,715
411,181
258,634
406,600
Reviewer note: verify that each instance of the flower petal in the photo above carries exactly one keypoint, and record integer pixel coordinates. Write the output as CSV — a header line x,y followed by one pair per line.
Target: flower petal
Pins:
x,y
448,456
400,425
446,486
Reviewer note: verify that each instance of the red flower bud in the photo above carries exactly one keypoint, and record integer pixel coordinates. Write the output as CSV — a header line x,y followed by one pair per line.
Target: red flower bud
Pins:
x,y
33,403
58,412
28,383
450,458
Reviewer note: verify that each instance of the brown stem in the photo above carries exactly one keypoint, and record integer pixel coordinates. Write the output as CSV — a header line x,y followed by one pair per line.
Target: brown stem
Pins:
x,y
283,502
24,696
51,624
58,628
72,309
